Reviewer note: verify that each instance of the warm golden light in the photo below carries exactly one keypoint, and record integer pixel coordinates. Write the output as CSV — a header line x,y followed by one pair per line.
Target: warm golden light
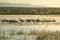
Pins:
x,y
49,3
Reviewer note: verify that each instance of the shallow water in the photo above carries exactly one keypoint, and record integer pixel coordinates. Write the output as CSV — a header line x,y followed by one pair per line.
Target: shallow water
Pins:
x,y
30,25
6,27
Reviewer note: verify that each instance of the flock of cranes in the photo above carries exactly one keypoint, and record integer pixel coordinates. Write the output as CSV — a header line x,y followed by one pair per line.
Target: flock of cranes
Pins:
x,y
28,20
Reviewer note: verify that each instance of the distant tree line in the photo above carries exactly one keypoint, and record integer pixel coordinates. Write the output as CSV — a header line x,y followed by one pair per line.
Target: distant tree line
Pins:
x,y
40,11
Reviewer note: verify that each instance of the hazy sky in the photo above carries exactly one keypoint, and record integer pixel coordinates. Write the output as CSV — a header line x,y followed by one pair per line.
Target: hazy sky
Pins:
x,y
50,3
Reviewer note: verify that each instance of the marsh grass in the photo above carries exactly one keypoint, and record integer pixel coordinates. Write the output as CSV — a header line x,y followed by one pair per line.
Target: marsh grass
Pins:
x,y
35,34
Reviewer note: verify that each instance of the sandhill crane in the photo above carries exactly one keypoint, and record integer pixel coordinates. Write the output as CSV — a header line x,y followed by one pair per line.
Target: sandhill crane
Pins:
x,y
12,21
54,20
47,20
21,20
28,20
4,20
32,20
37,20
42,21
